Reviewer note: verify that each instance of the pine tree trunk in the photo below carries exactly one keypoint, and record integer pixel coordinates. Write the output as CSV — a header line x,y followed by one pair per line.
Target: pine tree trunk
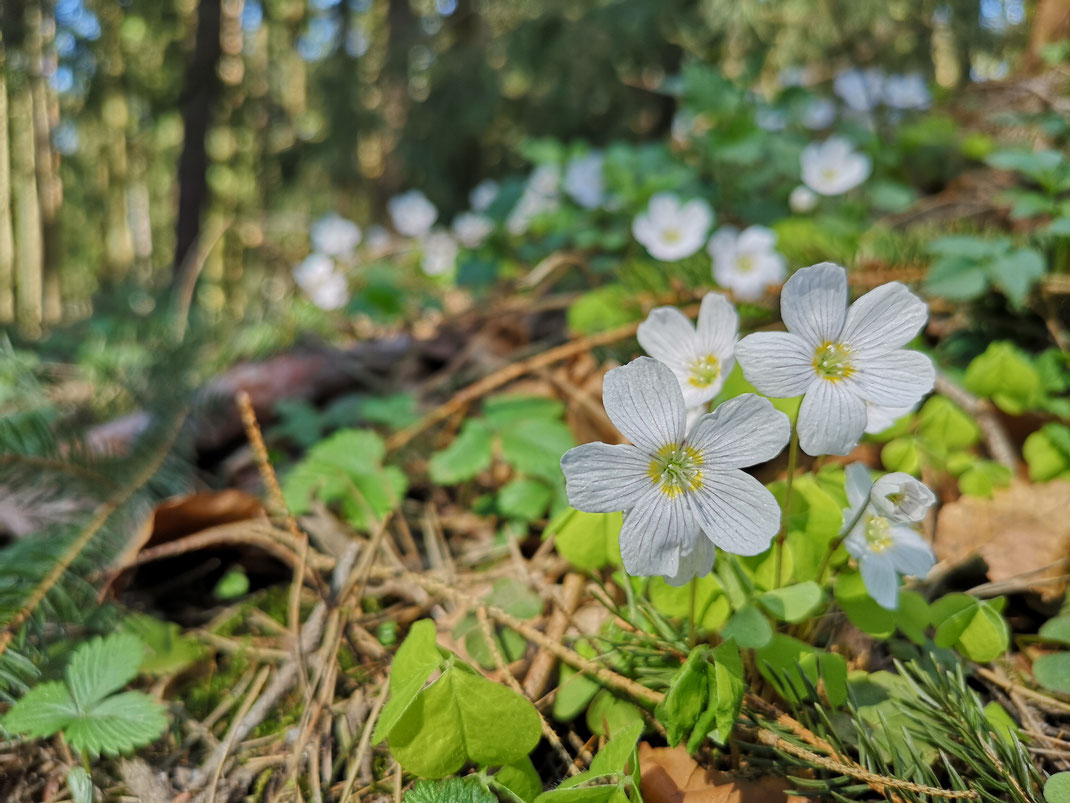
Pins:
x,y
7,244
28,244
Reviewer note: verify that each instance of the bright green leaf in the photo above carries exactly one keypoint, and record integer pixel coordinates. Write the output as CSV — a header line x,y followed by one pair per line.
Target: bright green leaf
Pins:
x,y
467,455
748,627
793,603
101,666
118,724
587,540
1052,671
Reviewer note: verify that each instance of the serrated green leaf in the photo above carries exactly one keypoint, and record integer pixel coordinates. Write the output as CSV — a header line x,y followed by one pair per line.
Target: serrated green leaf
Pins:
x,y
450,790
42,711
102,666
118,724
468,454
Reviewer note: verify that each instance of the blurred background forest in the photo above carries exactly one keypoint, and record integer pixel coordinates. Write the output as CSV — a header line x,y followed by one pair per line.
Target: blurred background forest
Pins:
x,y
145,141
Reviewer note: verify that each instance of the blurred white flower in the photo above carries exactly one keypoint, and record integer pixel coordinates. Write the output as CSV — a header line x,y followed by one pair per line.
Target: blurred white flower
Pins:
x,y
701,356
670,229
833,167
584,181
471,229
880,418
483,194
412,213
900,497
802,200
838,358
439,253
545,179
906,91
540,196
673,487
859,89
819,113
335,236
746,262
770,119
321,282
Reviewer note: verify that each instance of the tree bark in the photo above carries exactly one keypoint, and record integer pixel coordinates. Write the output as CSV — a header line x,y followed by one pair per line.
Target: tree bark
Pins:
x,y
28,252
7,243
1050,24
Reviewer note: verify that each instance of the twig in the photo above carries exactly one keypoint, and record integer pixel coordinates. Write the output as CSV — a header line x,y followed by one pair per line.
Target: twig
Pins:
x,y
995,436
232,735
365,741
543,663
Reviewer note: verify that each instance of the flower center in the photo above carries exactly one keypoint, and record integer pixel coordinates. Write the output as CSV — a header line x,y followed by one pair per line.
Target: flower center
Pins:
x,y
671,235
832,361
704,371
830,173
878,533
745,263
676,469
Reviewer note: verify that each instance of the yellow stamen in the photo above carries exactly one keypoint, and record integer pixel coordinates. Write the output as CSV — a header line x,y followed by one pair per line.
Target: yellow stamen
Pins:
x,y
832,361
704,371
878,533
676,469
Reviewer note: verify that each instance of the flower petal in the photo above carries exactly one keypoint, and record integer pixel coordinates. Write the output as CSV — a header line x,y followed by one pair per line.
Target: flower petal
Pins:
x,y
858,486
912,499
881,580
910,553
717,328
831,418
644,401
898,379
736,512
778,364
600,478
698,563
814,303
654,532
741,432
884,319
668,335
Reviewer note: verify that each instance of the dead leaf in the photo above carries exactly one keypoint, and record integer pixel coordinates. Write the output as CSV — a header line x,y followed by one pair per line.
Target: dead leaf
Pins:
x,y
1022,529
670,775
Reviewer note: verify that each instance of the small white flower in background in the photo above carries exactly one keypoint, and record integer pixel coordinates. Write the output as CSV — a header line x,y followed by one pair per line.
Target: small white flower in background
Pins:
x,y
882,540
483,194
377,238
770,119
880,418
672,487
906,92
670,229
335,236
412,213
584,181
803,200
440,253
545,179
837,358
701,356
539,197
317,277
471,229
746,262
859,89
833,167
819,113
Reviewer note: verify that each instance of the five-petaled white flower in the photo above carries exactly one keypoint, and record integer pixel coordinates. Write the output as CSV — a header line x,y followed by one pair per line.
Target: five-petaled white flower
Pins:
x,y
802,200
670,486
833,167
440,253
700,356
746,262
670,229
584,181
472,228
859,89
412,213
906,91
326,288
839,358
335,236
882,540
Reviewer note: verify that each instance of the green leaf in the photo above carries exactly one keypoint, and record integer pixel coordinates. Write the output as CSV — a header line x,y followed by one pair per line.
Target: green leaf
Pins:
x,y
575,691
1002,722
956,279
118,724
862,611
973,627
521,778
416,660
945,427
468,454
902,454
608,714
913,615
1047,452
793,603
535,446
1057,788
618,751
524,498
166,650
727,690
233,584
587,540
601,309
42,711
80,784
1005,375
1057,629
982,477
502,411
878,698
1052,671
686,698
1060,227
1017,272
711,605
102,666
450,790
748,627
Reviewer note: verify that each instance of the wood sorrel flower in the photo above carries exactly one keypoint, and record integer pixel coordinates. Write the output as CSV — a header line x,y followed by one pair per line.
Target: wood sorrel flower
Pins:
x,y
673,487
700,356
413,215
746,262
833,167
838,358
881,538
670,229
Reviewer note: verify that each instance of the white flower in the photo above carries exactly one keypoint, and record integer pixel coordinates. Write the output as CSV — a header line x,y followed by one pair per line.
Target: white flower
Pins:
x,y
833,167
880,418
669,486
770,119
882,540
335,236
700,356
483,194
584,181
906,91
440,253
317,277
412,213
670,229
746,262
900,497
471,229
696,563
859,89
819,113
839,358
539,197
802,200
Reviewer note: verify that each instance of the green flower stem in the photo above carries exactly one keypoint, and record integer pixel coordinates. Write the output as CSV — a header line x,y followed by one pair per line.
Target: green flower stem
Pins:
x,y
836,544
778,555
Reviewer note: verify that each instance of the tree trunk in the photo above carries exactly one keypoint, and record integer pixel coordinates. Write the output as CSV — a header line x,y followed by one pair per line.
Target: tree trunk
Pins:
x,y
28,245
1050,24
7,244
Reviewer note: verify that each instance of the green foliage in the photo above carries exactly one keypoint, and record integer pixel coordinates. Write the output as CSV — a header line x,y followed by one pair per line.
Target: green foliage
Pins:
x,y
587,540
1006,376
793,603
514,598
467,455
450,790
520,778
613,776
794,668
1052,671
705,696
974,627
965,267
575,690
166,650
1057,788
711,605
1047,452
608,713
86,708
80,785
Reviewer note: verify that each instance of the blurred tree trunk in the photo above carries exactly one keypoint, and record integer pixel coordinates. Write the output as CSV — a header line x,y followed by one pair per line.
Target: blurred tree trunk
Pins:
x,y
201,90
7,244
119,241
29,247
1050,24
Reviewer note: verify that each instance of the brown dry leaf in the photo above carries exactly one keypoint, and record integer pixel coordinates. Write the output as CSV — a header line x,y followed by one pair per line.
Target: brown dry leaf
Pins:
x,y
1023,528
670,775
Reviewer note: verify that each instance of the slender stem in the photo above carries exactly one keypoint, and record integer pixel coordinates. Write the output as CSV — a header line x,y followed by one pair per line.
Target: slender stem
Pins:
x,y
691,638
836,544
778,555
